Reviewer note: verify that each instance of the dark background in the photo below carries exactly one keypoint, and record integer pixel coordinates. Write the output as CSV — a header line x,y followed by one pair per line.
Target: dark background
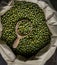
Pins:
x,y
54,3
2,61
52,60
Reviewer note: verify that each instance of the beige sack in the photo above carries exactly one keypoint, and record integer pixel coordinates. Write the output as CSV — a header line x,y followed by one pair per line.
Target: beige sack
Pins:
x,y
46,52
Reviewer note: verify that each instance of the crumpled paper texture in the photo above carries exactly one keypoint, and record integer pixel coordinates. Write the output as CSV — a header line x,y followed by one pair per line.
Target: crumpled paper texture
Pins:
x,y
46,52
